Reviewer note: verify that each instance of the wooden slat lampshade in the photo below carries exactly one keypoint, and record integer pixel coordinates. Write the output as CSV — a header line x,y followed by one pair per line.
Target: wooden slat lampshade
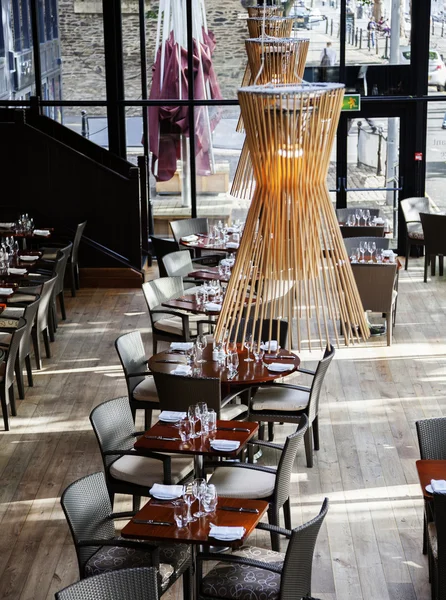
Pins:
x,y
273,26
292,263
269,11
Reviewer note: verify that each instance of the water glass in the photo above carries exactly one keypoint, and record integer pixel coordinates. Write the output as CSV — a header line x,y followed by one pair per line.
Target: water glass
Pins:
x,y
180,510
210,498
236,238
203,414
371,246
201,343
184,430
248,345
362,250
354,255
379,255
199,488
193,416
257,351
351,220
212,420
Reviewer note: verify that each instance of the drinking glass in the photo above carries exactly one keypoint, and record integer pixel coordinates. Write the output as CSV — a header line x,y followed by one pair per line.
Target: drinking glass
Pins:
x,y
366,216
199,486
354,255
212,420
351,220
189,498
371,246
362,250
203,414
180,513
379,255
247,344
201,343
184,430
358,214
193,416
210,498
257,351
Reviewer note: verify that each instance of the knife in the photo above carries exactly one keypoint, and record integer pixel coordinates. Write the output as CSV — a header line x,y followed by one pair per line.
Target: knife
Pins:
x,y
232,429
172,362
160,437
150,522
239,509
186,300
281,356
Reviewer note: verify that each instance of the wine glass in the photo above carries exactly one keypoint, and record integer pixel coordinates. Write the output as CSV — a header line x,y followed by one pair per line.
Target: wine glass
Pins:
x,y
189,498
247,344
362,250
351,220
193,414
366,216
371,246
203,414
257,351
201,343
199,486
358,214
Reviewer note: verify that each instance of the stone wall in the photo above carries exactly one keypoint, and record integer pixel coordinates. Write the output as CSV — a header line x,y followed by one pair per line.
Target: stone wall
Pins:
x,y
82,47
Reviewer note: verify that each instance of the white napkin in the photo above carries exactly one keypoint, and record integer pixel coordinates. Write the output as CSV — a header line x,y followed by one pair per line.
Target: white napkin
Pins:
x,y
438,485
378,221
182,370
189,238
232,245
232,229
28,258
270,346
166,492
212,306
171,415
387,253
44,232
280,367
181,345
227,262
13,271
226,533
6,291
226,445
7,225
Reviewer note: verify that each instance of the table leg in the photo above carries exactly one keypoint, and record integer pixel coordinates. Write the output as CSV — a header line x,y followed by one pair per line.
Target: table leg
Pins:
x,y
199,466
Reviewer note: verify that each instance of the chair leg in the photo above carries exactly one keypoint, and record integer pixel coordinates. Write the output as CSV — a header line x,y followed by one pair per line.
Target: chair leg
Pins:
x,y
73,280
270,431
273,519
440,265
261,431
62,306
77,280
133,410
187,584
287,514
308,439
12,401
155,343
136,503
36,344
46,341
426,264
407,254
424,535
316,432
4,408
433,265
29,371
19,378
389,328
147,419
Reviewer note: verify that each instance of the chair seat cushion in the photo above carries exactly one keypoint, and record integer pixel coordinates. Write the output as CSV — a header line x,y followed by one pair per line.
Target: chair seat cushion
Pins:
x,y
21,298
13,312
146,390
415,231
49,254
244,582
145,471
433,540
280,399
235,482
232,411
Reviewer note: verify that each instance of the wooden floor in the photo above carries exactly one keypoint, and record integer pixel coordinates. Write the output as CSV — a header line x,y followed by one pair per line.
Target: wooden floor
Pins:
x,y
370,545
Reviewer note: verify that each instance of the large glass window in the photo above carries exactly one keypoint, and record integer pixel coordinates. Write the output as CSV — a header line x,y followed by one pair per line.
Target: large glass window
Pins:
x,y
436,153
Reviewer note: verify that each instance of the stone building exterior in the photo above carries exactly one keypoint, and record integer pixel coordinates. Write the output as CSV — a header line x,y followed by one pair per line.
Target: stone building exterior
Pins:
x,y
82,47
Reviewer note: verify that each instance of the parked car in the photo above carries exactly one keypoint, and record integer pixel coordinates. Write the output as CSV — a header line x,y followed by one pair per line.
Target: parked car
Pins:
x,y
300,17
437,68
315,16
443,125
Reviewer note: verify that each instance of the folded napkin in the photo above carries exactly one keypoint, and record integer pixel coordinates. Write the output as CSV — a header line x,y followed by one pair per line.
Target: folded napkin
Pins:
x,y
378,221
7,225
270,346
232,229
212,306
226,445
44,232
227,262
232,244
181,345
438,486
6,291
182,370
28,258
171,415
13,271
189,238
226,533
279,367
166,492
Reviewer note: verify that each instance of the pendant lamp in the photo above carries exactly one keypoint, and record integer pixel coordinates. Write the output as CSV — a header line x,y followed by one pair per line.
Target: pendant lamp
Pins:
x,y
270,11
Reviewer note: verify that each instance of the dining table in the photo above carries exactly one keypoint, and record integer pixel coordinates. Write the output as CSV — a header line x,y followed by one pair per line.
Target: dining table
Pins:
x,y
204,241
349,231
209,274
428,470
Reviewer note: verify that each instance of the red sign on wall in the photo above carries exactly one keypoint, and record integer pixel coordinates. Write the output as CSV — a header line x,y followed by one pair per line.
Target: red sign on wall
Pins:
x,y
418,156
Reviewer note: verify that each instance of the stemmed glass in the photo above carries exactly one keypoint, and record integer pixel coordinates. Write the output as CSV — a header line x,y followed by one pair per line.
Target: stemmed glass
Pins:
x,y
371,246
201,343
362,250
203,414
193,414
366,216
354,255
199,489
232,363
189,498
247,344
358,214
257,351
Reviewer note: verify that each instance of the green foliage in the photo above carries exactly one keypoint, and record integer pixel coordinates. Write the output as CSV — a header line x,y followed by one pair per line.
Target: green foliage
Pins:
x,y
151,14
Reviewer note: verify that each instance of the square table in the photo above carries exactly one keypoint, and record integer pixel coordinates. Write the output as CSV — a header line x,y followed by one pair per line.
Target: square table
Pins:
x,y
427,470
196,533
197,447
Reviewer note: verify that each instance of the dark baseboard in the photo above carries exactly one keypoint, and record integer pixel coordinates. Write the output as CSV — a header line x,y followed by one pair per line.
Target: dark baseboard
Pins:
x,y
110,278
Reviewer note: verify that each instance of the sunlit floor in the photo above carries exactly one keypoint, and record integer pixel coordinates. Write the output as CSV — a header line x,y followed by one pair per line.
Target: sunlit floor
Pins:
x,y
370,545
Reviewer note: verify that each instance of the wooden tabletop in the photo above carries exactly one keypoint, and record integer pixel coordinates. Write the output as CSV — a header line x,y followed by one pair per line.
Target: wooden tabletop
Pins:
x,y
189,303
249,373
198,531
208,273
198,446
428,470
206,243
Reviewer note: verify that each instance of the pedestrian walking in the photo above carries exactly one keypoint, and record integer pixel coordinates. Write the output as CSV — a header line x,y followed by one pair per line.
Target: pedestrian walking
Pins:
x,y
371,28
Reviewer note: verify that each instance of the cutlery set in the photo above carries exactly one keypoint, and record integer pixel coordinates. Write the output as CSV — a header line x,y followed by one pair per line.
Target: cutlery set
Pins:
x,y
161,437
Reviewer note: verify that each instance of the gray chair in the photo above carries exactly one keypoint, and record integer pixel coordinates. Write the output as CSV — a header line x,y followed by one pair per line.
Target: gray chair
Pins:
x,y
378,288
412,207
434,241
259,573
353,242
42,322
179,264
140,384
137,584
169,325
88,511
184,227
256,482
127,471
287,403
178,392
7,371
161,247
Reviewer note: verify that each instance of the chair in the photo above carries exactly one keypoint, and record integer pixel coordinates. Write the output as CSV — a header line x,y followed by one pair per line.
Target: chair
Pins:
x,y
252,572
342,214
42,322
140,384
179,264
126,471
161,247
184,227
278,328
362,231
412,207
7,371
178,392
436,533
353,242
137,584
287,403
432,443
378,288
434,241
168,325
256,482
88,511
